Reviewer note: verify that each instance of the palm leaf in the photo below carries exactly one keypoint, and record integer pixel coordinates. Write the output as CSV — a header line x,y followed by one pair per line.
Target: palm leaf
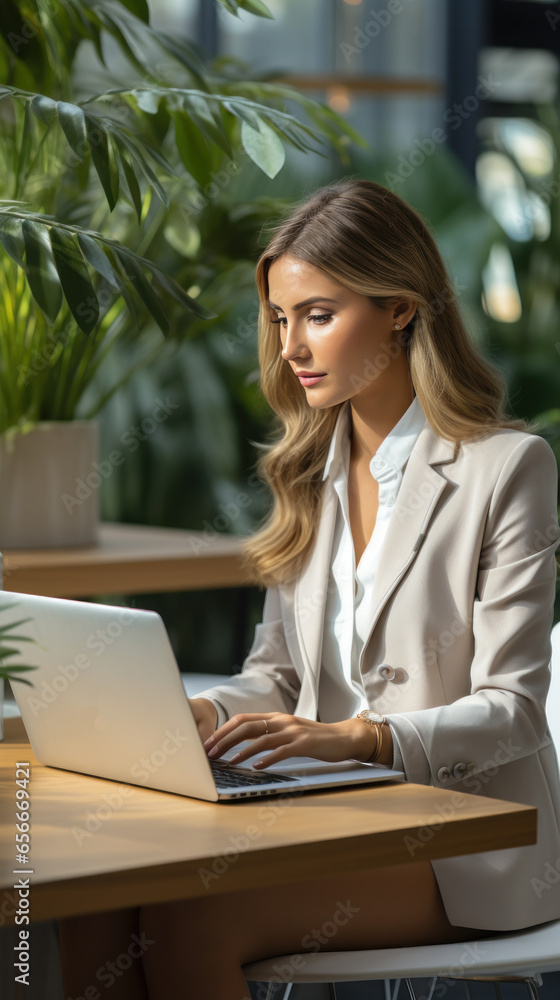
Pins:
x,y
39,268
74,279
46,283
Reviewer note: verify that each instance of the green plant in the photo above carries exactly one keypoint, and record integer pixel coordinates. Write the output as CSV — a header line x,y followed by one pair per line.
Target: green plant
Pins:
x,y
528,349
83,200
12,673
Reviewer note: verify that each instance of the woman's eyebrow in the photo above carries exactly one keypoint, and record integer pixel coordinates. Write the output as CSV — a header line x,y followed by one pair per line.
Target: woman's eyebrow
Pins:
x,y
306,302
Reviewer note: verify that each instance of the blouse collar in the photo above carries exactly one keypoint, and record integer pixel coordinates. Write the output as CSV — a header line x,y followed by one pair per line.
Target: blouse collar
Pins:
x,y
393,451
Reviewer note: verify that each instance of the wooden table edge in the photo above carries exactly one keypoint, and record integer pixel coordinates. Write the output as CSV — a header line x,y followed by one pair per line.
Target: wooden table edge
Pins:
x,y
157,883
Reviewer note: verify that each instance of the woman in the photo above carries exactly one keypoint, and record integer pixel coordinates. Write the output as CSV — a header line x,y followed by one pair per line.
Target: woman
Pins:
x,y
409,561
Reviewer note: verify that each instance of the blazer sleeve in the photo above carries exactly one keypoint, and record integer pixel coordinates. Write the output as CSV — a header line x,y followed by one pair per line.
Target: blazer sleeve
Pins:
x,y
268,681
503,717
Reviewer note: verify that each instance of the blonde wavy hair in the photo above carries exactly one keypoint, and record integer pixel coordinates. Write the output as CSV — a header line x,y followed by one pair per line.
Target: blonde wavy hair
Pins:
x,y
365,237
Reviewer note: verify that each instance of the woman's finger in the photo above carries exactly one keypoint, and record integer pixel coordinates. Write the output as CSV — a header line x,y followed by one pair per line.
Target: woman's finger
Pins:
x,y
242,731
270,742
232,725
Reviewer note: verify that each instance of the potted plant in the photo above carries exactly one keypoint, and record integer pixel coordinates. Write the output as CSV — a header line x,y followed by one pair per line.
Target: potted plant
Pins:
x,y
76,281
12,672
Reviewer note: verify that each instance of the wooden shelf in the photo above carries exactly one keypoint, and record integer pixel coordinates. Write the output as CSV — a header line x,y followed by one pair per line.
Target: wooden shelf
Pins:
x,y
129,559
384,85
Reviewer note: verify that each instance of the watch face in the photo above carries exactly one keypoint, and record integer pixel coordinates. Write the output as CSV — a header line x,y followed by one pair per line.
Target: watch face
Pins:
x,y
373,716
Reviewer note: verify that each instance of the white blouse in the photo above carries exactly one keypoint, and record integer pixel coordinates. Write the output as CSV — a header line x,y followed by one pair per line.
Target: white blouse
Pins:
x,y
347,617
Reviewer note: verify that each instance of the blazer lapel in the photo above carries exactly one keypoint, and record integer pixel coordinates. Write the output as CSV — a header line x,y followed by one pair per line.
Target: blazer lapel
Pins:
x,y
311,585
420,490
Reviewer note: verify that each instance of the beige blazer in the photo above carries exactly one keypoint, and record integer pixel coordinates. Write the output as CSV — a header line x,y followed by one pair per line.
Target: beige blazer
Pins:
x,y
461,611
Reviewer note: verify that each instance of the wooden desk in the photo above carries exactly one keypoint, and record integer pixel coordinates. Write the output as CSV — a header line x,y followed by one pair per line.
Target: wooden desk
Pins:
x,y
146,846
129,559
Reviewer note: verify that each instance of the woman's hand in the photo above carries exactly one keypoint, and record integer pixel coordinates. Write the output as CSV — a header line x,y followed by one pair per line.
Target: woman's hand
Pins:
x,y
292,736
205,715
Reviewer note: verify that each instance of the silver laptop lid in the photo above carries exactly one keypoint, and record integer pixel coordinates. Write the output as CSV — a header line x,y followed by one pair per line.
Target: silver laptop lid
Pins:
x,y
107,697
107,700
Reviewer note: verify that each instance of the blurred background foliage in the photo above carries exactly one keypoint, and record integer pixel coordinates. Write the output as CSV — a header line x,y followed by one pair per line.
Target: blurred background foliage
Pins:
x,y
500,244
82,200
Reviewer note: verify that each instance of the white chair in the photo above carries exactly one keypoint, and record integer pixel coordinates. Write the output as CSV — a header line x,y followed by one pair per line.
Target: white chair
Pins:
x,y
515,956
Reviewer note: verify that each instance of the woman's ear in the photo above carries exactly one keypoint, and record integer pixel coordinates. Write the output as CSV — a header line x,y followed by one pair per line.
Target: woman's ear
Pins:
x,y
404,311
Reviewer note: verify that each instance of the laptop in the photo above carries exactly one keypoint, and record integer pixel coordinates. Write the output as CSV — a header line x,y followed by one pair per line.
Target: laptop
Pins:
x,y
107,700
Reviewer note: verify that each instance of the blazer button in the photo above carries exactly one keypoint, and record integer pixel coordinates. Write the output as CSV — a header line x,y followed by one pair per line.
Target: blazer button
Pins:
x,y
444,774
459,770
386,671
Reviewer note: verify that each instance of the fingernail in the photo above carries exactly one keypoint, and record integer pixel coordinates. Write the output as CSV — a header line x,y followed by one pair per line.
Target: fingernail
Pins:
x,y
213,751
208,742
259,763
233,759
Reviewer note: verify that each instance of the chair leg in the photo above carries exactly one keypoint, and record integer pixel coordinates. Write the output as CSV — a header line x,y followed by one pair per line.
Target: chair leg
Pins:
x,y
271,991
411,992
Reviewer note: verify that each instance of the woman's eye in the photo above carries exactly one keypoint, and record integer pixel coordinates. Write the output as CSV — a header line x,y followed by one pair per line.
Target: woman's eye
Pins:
x,y
320,319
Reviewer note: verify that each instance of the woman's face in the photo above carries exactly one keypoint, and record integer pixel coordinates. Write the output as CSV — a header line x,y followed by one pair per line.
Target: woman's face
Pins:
x,y
337,334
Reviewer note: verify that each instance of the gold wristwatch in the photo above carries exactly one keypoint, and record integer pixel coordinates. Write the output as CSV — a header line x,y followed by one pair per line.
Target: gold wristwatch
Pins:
x,y
374,719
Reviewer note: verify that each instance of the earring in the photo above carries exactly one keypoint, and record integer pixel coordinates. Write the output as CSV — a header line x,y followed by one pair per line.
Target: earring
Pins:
x,y
397,326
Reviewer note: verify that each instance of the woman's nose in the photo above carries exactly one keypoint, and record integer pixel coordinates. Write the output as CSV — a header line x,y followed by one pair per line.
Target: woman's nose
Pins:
x,y
294,346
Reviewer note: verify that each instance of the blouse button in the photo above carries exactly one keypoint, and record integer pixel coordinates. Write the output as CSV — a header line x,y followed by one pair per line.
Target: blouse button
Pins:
x,y
386,671
444,774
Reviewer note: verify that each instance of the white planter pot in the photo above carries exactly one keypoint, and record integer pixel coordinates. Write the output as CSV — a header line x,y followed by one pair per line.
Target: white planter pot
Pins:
x,y
49,486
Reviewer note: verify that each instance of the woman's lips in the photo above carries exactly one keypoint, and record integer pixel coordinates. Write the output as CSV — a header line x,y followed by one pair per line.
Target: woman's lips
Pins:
x,y
310,379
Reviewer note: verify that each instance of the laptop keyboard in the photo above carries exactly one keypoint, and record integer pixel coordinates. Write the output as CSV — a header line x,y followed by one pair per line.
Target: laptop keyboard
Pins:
x,y
226,775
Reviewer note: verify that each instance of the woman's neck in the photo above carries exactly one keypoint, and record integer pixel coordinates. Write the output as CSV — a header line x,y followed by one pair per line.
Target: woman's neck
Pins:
x,y
372,419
